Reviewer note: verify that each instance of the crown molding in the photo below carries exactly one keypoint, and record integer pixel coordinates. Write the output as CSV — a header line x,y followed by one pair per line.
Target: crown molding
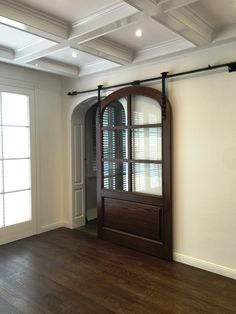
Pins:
x,y
6,53
142,64
55,67
225,33
100,66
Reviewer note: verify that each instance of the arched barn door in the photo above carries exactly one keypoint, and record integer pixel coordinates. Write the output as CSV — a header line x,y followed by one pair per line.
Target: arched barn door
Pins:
x,y
134,171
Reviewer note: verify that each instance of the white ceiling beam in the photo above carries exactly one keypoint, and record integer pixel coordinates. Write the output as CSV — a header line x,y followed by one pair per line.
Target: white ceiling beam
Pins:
x,y
31,55
170,5
106,21
86,31
35,49
108,50
84,34
197,38
194,22
179,17
151,7
114,14
33,21
170,47
146,6
56,67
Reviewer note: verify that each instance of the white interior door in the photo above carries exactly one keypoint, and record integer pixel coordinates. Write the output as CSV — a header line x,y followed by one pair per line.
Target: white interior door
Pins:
x,y
17,214
78,172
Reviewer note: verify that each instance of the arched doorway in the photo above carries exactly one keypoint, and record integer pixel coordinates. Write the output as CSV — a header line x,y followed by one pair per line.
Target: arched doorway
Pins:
x,y
79,137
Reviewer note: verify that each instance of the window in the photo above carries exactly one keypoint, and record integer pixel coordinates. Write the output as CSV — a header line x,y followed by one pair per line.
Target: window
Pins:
x,y
15,162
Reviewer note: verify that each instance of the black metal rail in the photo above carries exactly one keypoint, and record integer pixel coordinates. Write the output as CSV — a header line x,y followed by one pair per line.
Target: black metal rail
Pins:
x,y
231,68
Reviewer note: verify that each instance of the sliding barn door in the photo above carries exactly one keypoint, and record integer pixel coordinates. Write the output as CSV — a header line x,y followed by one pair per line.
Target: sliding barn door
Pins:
x,y
134,171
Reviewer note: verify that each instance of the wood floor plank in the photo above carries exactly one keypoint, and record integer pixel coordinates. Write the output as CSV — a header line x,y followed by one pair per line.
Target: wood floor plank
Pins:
x,y
65,271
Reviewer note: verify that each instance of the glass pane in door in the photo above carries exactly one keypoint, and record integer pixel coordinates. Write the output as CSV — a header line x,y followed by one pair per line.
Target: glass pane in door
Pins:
x,y
147,178
115,144
147,144
115,176
145,110
116,113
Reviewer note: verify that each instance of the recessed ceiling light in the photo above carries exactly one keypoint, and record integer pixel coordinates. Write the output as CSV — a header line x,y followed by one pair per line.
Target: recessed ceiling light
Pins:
x,y
74,54
139,33
36,64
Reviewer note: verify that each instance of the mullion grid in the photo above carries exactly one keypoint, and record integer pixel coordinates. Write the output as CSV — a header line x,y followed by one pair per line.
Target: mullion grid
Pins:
x,y
130,161
2,159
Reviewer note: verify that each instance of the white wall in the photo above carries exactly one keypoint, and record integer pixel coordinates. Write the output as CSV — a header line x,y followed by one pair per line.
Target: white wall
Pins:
x,y
204,153
47,89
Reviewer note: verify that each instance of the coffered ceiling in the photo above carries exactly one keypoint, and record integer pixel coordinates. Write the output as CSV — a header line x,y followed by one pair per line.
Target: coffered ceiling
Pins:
x,y
76,37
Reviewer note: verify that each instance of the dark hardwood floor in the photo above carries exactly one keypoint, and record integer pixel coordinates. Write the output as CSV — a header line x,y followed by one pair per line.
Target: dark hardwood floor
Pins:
x,y
90,227
67,271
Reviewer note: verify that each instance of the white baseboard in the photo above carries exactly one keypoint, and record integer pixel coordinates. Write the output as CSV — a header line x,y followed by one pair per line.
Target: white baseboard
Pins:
x,y
16,237
53,226
214,268
91,213
78,222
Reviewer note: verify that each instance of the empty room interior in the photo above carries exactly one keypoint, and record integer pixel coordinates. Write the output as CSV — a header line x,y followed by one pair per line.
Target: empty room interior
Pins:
x,y
118,156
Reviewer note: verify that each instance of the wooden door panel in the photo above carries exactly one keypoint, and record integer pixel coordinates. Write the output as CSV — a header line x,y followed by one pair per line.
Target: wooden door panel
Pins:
x,y
134,218
138,243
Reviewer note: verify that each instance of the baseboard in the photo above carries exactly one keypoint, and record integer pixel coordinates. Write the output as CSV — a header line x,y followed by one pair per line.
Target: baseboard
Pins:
x,y
16,237
78,222
214,268
53,226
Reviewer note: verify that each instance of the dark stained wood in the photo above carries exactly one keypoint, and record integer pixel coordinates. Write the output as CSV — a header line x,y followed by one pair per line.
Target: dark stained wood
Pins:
x,y
133,160
64,271
138,126
129,236
134,218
